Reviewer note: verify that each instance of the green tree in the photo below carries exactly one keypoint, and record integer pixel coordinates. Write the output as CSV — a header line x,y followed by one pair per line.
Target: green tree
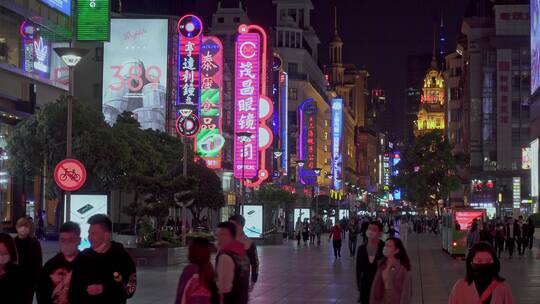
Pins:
x,y
428,170
273,197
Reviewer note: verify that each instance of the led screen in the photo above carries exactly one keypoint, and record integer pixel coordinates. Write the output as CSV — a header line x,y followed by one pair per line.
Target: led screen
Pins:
x,y
254,221
535,45
135,71
534,168
83,206
465,218
63,6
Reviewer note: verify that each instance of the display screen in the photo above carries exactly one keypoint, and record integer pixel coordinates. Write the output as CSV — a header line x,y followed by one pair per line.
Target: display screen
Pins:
x,y
534,167
535,45
135,71
337,130
302,213
63,6
93,20
465,218
83,206
254,221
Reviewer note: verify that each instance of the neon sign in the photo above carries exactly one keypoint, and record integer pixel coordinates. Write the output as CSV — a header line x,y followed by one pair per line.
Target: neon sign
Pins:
x,y
284,109
246,156
209,140
306,141
190,29
337,153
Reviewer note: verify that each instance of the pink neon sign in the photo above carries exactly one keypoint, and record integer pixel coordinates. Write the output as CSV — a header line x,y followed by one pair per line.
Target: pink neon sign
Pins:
x,y
246,116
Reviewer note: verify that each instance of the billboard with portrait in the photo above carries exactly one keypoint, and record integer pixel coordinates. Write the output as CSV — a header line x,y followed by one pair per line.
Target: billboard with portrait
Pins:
x,y
535,45
135,71
254,221
83,206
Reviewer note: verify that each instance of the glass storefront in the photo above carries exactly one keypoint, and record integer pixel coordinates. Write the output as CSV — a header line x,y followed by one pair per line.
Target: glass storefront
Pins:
x,y
6,195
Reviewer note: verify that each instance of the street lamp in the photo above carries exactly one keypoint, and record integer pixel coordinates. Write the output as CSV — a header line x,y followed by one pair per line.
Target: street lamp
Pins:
x,y
243,137
277,154
317,172
71,57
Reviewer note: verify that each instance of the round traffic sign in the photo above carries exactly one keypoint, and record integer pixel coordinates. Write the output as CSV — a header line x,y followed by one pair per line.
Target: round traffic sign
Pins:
x,y
187,126
70,175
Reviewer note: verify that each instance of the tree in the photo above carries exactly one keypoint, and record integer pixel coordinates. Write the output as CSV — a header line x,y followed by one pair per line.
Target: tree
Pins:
x,y
428,170
273,197
209,193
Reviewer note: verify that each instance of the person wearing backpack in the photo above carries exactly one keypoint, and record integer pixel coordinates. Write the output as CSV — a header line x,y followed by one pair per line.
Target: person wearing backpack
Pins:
x,y
482,283
197,282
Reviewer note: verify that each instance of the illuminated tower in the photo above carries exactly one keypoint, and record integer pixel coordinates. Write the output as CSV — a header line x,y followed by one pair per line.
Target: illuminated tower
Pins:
x,y
431,115
336,68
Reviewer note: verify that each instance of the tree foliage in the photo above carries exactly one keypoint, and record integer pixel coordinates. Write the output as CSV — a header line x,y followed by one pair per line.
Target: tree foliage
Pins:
x,y
273,197
428,170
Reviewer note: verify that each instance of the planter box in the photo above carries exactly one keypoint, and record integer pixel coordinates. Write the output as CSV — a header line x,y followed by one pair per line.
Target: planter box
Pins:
x,y
273,239
129,241
158,256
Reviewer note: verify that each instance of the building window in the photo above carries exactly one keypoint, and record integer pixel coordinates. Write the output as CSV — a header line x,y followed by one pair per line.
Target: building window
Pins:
x,y
301,22
236,19
292,68
293,93
221,20
292,13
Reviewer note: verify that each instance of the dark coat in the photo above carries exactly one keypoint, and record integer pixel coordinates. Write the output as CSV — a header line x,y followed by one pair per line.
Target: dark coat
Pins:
x,y
365,271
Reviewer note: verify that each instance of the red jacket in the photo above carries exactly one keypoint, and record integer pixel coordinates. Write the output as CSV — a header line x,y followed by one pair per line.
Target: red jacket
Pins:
x,y
335,233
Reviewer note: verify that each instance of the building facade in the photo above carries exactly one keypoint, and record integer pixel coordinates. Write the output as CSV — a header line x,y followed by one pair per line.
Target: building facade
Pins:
x,y
431,115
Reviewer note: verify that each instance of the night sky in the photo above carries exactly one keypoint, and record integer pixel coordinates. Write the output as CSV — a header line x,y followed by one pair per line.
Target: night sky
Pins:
x,y
377,34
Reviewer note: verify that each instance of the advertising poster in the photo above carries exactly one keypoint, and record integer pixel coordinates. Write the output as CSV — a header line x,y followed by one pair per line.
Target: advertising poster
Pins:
x,y
302,213
535,45
254,221
63,6
337,153
135,71
465,218
83,206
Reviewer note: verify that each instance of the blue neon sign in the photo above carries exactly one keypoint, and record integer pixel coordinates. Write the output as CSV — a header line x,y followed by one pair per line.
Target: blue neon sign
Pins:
x,y
63,6
337,153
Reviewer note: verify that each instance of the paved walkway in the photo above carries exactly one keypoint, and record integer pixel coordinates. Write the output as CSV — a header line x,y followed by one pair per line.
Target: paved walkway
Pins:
x,y
309,274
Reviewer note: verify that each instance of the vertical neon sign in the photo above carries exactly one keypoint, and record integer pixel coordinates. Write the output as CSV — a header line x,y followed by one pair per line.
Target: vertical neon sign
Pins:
x,y
189,29
337,153
209,140
306,141
284,82
246,116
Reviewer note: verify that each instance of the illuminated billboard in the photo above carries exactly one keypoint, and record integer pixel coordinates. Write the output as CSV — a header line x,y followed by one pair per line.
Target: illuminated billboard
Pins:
x,y
535,146
83,206
246,152
284,113
190,32
535,45
254,221
135,71
337,153
93,20
307,150
516,192
63,6
302,214
209,140
526,158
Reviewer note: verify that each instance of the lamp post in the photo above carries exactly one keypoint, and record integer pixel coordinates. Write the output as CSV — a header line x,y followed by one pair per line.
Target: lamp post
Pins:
x,y
317,172
243,137
71,57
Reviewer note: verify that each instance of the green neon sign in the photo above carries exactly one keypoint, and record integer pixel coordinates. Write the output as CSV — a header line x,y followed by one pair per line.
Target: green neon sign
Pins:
x,y
93,20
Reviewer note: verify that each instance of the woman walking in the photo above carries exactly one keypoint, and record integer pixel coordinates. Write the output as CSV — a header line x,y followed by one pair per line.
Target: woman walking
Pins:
x,y
335,236
482,283
197,283
392,283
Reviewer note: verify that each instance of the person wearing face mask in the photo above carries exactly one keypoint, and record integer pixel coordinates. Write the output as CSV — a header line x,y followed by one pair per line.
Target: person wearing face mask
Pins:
x,y
520,233
30,257
367,260
11,279
499,239
53,286
392,283
482,283
105,272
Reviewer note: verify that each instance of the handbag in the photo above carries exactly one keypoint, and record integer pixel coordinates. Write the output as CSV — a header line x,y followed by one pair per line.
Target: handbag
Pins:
x,y
489,290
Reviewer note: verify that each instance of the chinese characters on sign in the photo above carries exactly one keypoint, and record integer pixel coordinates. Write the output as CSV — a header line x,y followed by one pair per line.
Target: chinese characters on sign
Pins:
x,y
209,140
337,156
246,154
306,141
189,28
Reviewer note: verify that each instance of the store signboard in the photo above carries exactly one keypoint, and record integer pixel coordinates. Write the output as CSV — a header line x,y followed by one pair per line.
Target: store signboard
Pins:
x,y
135,71
83,206
465,218
535,147
93,20
246,150
307,138
535,45
254,221
337,149
63,6
516,192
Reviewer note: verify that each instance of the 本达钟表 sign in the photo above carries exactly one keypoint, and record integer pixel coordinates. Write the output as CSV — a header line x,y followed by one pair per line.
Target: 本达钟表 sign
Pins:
x,y
93,20
63,6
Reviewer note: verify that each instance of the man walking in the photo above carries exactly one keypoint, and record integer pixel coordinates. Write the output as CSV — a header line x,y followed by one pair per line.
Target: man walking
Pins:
x,y
249,246
510,237
232,266
105,272
367,260
520,233
353,233
55,278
